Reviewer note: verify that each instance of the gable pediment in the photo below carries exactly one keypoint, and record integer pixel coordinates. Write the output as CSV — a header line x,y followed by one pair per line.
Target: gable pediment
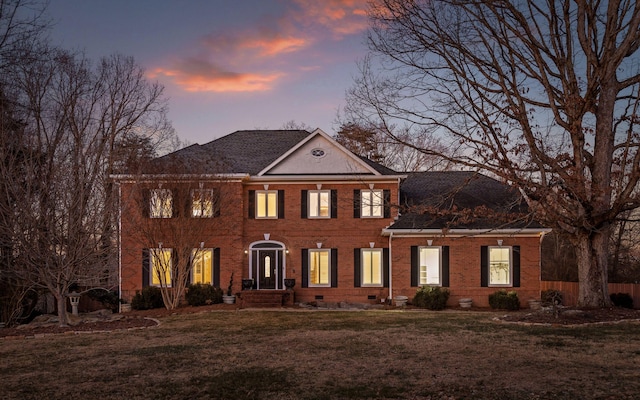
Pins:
x,y
319,154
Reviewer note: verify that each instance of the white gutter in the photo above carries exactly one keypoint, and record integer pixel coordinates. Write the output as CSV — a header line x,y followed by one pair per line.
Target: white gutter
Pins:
x,y
465,232
390,269
327,178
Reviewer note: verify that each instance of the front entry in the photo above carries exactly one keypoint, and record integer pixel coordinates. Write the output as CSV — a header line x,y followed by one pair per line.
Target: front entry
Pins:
x,y
267,265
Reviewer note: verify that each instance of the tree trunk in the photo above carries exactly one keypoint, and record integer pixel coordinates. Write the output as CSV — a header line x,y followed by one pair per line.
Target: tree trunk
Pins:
x,y
62,309
592,254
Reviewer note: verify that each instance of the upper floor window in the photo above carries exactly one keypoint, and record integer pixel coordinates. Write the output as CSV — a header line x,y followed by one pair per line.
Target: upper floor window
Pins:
x,y
319,203
266,204
202,203
371,203
161,203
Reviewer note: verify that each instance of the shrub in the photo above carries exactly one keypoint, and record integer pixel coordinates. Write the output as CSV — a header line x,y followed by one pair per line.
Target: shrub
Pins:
x,y
551,297
150,297
200,294
108,298
431,297
504,300
622,300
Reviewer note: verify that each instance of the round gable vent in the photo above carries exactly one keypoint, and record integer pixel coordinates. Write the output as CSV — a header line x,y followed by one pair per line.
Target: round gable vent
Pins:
x,y
318,153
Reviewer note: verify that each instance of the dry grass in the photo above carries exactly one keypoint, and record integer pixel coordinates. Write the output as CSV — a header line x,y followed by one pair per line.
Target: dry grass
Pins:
x,y
328,355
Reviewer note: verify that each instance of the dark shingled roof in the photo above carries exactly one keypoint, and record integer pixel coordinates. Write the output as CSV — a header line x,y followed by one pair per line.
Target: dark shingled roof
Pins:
x,y
457,193
242,152
239,152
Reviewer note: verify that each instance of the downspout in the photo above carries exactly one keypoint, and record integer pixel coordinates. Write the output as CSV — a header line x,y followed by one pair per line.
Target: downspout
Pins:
x,y
119,246
390,269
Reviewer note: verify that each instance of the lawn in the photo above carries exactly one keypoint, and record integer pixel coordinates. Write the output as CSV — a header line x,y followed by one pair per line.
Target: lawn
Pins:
x,y
328,355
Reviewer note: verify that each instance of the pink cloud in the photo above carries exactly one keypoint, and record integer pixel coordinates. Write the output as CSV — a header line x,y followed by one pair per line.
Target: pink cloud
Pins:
x,y
341,17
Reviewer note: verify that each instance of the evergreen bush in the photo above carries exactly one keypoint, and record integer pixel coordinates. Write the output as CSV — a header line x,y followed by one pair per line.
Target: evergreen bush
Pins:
x,y
551,297
504,300
150,297
622,300
431,297
199,294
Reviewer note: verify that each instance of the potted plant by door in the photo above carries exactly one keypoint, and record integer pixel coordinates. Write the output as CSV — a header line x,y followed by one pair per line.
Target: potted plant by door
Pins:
x,y
228,297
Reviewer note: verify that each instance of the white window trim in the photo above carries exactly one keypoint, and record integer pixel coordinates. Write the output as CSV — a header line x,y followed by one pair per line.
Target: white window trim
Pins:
x,y
371,205
154,197
310,205
510,284
154,252
266,192
194,252
381,284
328,252
439,266
209,193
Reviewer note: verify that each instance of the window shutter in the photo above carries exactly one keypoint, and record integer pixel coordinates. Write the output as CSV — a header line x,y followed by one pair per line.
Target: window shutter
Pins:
x,y
280,204
304,204
174,267
334,203
445,266
484,266
386,195
356,203
216,267
334,267
385,267
188,211
146,203
190,272
252,204
146,265
356,268
415,266
216,198
175,203
305,268
516,266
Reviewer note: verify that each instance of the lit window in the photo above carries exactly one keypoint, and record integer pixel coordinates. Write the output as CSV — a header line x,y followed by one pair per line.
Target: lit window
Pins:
x,y
161,203
161,267
202,268
319,203
430,266
319,268
202,203
371,267
500,266
267,204
371,203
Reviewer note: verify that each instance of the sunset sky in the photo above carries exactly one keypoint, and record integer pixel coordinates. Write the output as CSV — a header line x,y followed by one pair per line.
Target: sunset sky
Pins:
x,y
228,64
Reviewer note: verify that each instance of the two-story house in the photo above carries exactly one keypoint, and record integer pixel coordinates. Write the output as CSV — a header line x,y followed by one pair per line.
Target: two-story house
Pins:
x,y
272,205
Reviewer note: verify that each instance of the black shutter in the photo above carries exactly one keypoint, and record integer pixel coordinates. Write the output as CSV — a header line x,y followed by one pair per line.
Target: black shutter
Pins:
x,y
252,204
445,266
146,265
334,203
356,268
334,267
216,199
146,203
175,203
356,203
385,267
415,266
174,267
386,195
484,266
188,209
216,267
305,268
304,204
516,266
280,204
190,269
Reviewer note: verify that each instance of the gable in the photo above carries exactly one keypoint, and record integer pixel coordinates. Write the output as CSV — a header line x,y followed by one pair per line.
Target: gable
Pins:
x,y
319,154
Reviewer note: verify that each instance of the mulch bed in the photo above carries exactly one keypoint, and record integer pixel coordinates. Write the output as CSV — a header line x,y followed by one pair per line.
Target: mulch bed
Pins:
x,y
572,316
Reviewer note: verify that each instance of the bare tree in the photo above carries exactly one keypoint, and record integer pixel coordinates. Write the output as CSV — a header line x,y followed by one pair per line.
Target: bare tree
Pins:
x,y
543,95
74,115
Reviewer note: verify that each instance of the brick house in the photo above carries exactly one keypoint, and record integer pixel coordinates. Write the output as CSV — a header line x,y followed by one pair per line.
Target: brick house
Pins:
x,y
276,205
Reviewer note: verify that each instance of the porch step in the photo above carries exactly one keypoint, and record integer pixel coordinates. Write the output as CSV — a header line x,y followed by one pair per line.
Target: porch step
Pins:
x,y
265,298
